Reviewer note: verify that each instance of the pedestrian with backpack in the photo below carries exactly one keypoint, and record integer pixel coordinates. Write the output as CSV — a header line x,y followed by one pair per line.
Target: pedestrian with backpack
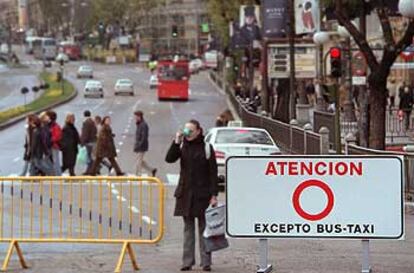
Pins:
x,y
197,188
56,134
40,154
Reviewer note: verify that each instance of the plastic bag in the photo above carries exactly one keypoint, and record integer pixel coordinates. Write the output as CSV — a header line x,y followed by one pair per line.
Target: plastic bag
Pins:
x,y
215,221
215,243
82,156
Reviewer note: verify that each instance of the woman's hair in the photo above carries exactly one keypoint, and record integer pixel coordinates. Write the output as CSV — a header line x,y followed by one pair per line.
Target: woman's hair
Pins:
x,y
31,118
104,119
69,116
36,121
196,123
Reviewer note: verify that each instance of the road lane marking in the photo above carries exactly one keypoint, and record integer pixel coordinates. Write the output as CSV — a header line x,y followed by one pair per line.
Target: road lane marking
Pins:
x,y
120,143
124,137
16,159
110,112
121,198
136,105
152,113
134,209
98,105
114,191
118,151
148,220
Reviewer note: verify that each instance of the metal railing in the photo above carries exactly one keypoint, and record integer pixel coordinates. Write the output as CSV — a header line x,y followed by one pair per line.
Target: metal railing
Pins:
x,y
289,138
408,163
107,210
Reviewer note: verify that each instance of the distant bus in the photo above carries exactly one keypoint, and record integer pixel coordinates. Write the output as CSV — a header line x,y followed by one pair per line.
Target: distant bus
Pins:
x,y
173,77
45,49
28,44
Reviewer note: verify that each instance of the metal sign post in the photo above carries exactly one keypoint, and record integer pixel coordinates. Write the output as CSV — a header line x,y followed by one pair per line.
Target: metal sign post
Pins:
x,y
366,267
264,266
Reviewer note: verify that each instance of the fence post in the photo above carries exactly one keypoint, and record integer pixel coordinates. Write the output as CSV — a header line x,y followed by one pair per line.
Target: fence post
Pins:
x,y
292,123
324,132
349,139
307,127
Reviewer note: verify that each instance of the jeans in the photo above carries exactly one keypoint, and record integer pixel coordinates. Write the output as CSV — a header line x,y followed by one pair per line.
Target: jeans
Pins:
x,y
45,165
56,162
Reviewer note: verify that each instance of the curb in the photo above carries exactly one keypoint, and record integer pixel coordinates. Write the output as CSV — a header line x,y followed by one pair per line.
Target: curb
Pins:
x,y
53,105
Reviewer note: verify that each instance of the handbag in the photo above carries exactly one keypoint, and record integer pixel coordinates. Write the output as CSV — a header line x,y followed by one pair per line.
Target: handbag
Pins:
x,y
215,221
215,243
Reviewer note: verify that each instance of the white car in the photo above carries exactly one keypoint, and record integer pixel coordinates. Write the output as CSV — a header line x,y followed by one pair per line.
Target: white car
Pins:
x,y
239,141
85,71
124,86
195,65
93,89
62,57
153,82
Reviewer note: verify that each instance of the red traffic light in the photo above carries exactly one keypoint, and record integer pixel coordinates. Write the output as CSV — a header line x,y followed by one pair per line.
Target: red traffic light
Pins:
x,y
335,53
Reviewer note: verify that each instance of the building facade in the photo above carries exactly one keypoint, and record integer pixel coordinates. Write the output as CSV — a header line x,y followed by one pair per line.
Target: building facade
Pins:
x,y
175,26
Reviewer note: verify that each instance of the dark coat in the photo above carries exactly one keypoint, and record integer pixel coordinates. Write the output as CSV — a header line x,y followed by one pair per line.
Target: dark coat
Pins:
x,y
141,137
69,145
89,132
406,102
105,146
39,146
198,177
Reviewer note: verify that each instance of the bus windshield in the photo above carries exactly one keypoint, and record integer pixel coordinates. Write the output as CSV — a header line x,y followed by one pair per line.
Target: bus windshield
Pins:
x,y
172,72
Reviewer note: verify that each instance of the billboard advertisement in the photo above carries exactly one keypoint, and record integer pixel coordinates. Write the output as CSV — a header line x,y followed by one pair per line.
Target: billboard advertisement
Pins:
x,y
306,16
275,18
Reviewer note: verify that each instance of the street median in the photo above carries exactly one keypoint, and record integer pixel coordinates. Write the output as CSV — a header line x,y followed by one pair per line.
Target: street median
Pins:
x,y
50,98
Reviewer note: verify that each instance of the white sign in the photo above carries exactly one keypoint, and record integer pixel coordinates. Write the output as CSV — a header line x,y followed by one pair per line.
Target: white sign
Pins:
x,y
279,61
357,197
359,80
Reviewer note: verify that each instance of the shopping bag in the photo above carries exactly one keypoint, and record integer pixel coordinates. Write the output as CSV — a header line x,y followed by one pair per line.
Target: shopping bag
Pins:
x,y
215,243
82,156
215,221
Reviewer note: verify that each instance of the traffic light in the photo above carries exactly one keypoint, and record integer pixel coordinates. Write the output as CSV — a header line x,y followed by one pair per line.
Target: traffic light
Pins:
x,y
174,31
336,62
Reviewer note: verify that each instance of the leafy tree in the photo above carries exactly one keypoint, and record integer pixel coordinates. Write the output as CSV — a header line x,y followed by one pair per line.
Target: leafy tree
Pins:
x,y
345,11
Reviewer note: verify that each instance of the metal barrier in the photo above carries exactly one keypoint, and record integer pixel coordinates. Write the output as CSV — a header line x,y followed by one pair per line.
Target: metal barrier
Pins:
x,y
353,149
106,210
291,139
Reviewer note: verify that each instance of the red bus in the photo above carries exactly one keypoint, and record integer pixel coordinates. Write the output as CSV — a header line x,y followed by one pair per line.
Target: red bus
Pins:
x,y
173,77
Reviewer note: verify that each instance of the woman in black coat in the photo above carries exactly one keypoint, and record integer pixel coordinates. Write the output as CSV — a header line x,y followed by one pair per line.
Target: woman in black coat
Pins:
x,y
197,188
69,144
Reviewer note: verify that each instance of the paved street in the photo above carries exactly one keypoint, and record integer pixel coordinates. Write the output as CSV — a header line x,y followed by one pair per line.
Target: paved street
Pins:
x,y
12,81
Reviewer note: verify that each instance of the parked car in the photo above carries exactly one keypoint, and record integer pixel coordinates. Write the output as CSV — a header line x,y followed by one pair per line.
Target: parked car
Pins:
x,y
153,82
239,141
85,71
124,86
93,89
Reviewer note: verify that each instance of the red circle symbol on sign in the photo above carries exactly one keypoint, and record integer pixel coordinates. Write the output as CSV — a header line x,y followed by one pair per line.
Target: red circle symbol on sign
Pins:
x,y
322,186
